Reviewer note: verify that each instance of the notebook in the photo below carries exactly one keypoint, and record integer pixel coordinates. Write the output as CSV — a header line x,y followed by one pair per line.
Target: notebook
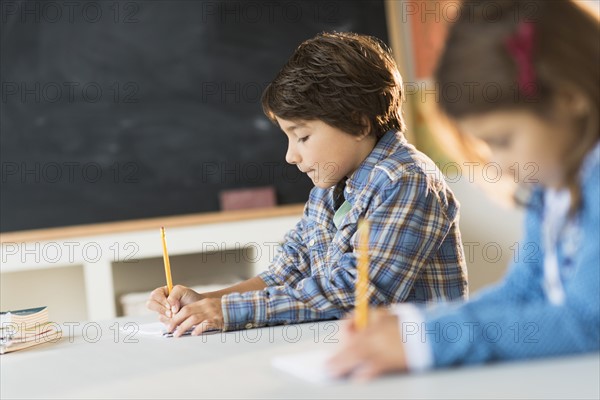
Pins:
x,y
29,316
20,329
50,333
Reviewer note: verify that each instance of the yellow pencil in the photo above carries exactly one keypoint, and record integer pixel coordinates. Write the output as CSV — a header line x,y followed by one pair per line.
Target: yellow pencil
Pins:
x,y
166,260
362,283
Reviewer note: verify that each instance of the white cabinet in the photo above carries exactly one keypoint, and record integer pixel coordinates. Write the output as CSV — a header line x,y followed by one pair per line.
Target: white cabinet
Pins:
x,y
52,266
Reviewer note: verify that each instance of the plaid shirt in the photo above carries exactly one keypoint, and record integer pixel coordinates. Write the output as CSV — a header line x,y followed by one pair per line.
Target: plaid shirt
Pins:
x,y
415,248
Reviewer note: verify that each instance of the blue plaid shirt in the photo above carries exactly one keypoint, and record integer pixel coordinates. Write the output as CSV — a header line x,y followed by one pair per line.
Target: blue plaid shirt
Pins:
x,y
415,247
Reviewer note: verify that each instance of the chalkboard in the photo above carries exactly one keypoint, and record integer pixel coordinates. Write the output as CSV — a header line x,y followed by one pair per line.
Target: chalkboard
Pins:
x,y
125,110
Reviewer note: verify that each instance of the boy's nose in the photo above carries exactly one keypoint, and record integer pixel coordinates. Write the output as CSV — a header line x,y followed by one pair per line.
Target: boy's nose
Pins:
x,y
292,156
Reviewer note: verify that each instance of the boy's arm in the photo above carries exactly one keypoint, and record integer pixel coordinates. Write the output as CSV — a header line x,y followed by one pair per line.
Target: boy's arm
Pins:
x,y
255,283
291,262
288,267
408,225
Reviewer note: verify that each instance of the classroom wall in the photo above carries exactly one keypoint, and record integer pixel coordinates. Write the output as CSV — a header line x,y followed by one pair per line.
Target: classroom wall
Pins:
x,y
488,233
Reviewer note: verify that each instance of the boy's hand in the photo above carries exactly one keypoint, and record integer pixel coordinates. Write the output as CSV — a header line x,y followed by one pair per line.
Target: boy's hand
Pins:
x,y
168,306
206,314
370,352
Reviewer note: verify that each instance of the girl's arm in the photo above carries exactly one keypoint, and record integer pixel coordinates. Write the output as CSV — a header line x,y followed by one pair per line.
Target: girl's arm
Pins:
x,y
508,325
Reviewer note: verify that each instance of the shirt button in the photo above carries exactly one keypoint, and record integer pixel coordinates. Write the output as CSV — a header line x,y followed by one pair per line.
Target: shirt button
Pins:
x,y
311,242
348,189
248,325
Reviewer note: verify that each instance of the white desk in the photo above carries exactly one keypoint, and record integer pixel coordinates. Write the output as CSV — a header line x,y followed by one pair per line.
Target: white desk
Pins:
x,y
237,365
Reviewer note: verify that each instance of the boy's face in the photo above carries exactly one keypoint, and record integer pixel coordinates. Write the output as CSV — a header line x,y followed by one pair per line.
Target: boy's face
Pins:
x,y
326,154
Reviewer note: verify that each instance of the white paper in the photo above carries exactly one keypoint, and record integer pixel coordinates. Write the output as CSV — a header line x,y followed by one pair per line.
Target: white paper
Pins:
x,y
308,366
158,329
153,329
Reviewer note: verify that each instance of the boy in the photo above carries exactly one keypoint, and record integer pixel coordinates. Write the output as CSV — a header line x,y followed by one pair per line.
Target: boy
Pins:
x,y
338,100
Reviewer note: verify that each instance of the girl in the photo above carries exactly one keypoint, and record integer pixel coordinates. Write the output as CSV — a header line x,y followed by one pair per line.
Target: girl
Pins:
x,y
548,304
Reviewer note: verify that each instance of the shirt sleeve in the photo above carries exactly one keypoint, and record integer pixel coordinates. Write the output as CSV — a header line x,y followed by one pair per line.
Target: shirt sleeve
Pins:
x,y
419,356
407,225
291,262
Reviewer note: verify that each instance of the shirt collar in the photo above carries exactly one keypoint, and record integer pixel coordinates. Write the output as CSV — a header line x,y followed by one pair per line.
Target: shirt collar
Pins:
x,y
537,199
387,145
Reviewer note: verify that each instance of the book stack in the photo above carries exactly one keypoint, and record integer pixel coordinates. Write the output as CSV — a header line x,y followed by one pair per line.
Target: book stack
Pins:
x,y
21,329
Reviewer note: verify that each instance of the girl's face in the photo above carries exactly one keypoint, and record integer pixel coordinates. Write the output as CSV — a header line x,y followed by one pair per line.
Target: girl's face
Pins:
x,y
527,148
326,154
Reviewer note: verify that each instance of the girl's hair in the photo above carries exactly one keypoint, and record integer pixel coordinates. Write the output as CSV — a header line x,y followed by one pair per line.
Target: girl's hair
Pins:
x,y
346,80
516,55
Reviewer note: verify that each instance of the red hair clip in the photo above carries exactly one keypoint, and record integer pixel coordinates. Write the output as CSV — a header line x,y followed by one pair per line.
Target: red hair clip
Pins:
x,y
520,46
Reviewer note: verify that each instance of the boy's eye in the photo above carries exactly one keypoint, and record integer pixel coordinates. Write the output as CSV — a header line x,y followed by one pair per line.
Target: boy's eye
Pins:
x,y
303,139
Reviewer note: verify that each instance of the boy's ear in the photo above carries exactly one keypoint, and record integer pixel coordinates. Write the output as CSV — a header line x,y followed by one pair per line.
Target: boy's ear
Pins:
x,y
366,131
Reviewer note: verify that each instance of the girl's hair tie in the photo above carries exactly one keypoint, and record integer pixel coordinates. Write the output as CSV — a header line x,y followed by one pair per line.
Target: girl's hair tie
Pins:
x,y
520,46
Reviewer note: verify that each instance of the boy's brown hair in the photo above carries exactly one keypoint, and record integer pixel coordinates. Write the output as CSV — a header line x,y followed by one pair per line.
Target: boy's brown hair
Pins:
x,y
346,80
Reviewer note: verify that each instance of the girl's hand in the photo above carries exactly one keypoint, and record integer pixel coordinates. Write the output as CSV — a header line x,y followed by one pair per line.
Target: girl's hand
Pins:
x,y
373,351
206,314
168,305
